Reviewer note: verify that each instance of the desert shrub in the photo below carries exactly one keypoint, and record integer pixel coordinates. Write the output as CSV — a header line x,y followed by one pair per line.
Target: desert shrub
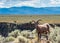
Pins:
x,y
29,34
58,39
25,33
9,39
22,39
34,31
2,39
14,33
55,35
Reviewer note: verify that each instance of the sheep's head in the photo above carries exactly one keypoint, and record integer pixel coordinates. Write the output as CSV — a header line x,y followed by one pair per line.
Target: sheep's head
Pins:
x,y
38,21
33,22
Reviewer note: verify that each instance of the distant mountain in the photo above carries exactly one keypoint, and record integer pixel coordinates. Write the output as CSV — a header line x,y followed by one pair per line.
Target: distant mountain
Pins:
x,y
30,10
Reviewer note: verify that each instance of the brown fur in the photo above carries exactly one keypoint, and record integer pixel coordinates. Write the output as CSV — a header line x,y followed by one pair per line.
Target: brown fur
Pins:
x,y
42,29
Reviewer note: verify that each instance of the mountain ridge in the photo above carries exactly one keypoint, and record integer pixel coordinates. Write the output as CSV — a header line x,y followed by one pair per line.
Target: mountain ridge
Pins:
x,y
30,10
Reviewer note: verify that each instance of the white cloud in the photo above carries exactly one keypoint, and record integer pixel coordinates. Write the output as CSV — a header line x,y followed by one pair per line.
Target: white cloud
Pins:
x,y
55,2
32,3
1,3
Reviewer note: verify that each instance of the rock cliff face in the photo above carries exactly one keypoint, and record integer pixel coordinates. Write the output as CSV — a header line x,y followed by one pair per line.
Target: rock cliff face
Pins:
x,y
6,28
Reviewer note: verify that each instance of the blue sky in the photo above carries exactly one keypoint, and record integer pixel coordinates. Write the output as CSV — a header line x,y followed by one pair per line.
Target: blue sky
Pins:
x,y
31,3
